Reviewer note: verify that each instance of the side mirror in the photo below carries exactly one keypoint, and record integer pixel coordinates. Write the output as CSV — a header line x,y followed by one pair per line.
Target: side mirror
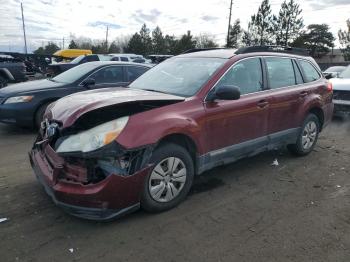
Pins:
x,y
328,75
88,82
226,92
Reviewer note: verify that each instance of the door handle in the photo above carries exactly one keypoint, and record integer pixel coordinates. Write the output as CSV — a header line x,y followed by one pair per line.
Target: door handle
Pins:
x,y
303,94
263,104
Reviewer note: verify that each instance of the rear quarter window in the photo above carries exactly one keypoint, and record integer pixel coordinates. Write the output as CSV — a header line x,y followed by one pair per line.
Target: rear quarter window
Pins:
x,y
310,72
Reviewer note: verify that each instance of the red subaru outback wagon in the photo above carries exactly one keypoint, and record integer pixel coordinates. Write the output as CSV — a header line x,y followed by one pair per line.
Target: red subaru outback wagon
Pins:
x,y
103,153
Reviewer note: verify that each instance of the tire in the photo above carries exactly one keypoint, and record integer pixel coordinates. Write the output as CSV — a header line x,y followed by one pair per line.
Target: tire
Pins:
x,y
165,189
40,114
3,82
307,137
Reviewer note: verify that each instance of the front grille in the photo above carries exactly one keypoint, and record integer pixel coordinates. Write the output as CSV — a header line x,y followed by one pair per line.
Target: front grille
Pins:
x,y
341,95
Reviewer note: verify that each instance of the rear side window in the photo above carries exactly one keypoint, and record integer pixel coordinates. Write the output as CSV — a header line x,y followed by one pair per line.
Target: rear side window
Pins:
x,y
310,72
280,72
246,75
135,71
115,58
124,59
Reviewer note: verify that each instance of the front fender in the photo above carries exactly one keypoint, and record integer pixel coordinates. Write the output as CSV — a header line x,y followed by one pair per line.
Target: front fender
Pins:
x,y
181,118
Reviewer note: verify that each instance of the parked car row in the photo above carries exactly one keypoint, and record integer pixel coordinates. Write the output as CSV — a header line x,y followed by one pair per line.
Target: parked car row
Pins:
x,y
106,152
57,68
11,70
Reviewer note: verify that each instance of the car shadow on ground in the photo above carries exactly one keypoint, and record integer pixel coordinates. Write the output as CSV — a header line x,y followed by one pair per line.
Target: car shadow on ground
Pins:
x,y
13,130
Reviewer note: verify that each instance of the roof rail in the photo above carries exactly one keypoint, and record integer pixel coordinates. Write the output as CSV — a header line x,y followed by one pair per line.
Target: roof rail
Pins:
x,y
193,50
273,48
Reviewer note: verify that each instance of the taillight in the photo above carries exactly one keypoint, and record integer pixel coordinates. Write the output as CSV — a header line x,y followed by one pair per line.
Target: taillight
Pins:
x,y
329,87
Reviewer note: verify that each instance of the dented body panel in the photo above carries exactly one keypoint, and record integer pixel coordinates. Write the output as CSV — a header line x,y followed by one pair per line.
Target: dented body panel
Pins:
x,y
92,201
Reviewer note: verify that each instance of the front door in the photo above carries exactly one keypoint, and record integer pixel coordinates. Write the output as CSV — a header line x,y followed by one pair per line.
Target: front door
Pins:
x,y
237,128
110,76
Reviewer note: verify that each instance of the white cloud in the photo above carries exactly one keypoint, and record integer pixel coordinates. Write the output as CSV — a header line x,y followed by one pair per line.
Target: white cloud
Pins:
x,y
51,20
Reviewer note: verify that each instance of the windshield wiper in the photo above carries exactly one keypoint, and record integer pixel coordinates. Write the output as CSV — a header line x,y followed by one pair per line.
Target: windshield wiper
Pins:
x,y
153,90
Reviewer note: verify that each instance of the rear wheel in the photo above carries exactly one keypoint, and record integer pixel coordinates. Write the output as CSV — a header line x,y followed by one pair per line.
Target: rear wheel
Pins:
x,y
170,180
3,82
308,136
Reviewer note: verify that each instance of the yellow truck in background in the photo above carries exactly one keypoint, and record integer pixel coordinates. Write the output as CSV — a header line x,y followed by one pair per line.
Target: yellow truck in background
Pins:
x,y
72,53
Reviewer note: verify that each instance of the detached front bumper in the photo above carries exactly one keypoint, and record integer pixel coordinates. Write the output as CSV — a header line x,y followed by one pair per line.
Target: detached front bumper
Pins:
x,y
110,198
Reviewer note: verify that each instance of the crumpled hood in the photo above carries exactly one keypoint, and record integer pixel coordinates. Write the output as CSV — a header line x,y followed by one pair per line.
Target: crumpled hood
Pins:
x,y
68,109
341,84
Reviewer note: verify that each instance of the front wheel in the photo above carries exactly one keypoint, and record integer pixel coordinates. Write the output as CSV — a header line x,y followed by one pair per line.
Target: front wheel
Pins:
x,y
170,180
38,118
307,137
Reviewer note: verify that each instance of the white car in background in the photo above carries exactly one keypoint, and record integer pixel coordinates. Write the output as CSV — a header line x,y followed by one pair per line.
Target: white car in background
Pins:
x,y
333,71
341,92
128,58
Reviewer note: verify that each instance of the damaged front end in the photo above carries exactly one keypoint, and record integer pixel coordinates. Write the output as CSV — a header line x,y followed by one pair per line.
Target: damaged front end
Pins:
x,y
97,184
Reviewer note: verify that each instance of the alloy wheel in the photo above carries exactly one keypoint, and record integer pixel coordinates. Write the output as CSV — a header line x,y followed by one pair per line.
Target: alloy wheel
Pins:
x,y
309,135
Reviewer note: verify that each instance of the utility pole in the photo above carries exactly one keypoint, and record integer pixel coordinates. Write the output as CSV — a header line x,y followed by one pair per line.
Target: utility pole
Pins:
x,y
63,43
229,25
24,31
107,40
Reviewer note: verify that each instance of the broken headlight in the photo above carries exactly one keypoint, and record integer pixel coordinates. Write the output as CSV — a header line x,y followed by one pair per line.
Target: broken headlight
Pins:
x,y
93,138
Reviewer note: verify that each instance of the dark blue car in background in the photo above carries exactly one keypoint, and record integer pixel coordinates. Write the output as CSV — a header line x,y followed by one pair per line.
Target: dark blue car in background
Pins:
x,y
24,104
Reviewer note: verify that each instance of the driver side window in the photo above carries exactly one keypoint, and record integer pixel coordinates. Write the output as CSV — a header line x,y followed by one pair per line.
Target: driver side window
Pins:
x,y
246,75
108,75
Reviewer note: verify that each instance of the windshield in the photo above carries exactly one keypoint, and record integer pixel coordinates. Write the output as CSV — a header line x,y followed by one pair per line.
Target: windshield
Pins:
x,y
77,59
179,76
74,73
345,73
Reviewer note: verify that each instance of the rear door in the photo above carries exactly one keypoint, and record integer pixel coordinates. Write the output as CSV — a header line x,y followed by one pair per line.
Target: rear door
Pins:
x,y
236,128
286,93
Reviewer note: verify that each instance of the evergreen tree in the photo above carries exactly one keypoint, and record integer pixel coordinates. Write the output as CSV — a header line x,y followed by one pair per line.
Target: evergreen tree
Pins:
x,y
186,42
135,45
49,49
318,39
170,44
260,28
114,48
72,45
158,41
146,40
288,23
235,34
344,39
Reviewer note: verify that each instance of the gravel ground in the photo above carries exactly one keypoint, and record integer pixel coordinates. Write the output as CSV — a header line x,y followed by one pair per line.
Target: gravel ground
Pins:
x,y
246,211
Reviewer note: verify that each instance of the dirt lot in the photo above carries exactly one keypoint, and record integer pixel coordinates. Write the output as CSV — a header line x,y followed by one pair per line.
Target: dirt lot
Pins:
x,y
247,211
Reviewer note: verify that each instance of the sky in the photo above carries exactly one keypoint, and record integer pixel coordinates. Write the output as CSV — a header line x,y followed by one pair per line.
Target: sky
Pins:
x,y
53,20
